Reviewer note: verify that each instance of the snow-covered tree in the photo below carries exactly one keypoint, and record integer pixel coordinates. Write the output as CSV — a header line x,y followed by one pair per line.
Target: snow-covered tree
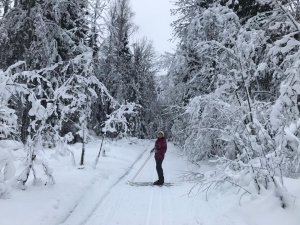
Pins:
x,y
226,74
115,52
126,69
42,34
142,90
54,103
57,80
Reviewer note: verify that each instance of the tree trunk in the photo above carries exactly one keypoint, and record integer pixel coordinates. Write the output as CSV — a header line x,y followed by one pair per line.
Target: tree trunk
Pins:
x,y
83,146
25,122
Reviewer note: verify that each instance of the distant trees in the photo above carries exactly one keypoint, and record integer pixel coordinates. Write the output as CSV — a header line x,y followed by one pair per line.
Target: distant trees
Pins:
x,y
143,89
116,49
128,70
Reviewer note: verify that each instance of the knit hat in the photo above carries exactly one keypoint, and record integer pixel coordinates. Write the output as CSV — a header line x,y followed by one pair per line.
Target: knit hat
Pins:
x,y
161,132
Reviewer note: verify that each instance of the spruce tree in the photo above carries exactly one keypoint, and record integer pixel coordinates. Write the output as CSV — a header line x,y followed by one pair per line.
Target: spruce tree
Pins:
x,y
142,89
116,53
246,9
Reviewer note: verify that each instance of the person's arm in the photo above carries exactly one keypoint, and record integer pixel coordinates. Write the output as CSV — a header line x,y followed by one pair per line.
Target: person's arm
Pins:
x,y
164,147
155,148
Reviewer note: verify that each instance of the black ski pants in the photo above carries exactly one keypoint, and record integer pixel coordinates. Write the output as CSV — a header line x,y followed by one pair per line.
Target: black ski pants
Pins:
x,y
159,170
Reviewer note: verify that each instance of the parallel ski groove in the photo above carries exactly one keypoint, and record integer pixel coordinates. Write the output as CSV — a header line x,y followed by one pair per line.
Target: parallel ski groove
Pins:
x,y
84,221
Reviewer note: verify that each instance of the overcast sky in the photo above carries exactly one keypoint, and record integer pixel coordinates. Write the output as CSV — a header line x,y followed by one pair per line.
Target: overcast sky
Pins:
x,y
153,19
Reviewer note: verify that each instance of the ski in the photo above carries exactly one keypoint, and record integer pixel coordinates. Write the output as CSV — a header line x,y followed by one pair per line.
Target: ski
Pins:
x,y
141,184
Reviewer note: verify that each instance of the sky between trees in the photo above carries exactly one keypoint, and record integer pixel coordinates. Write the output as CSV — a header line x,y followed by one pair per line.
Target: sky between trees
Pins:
x,y
154,18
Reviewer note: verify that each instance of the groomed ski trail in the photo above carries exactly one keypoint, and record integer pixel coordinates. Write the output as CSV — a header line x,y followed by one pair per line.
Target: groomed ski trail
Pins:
x,y
123,204
149,205
69,219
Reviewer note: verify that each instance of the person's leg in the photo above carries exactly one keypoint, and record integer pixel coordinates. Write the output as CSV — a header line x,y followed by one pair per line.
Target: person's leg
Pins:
x,y
160,171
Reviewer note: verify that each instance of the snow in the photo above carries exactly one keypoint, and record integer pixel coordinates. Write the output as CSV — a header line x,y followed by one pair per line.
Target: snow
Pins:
x,y
11,145
102,196
7,170
264,2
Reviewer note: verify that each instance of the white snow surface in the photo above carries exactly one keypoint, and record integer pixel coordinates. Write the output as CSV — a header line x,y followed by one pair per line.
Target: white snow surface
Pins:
x,y
102,196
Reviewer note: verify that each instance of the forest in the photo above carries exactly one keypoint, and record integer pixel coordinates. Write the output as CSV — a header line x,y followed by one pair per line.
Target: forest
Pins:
x,y
231,93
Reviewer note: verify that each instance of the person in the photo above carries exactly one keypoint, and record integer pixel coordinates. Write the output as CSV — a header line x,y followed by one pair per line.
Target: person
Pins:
x,y
160,150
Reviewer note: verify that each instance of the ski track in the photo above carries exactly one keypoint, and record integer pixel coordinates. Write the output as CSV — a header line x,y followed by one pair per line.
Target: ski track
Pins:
x,y
147,205
122,204
160,208
106,193
168,206
150,206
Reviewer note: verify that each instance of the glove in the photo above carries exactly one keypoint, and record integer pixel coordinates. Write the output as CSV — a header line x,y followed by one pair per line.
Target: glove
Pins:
x,y
152,150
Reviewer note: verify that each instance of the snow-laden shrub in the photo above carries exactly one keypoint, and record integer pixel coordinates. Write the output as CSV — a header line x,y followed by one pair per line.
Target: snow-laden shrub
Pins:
x,y
219,127
117,122
57,104
210,120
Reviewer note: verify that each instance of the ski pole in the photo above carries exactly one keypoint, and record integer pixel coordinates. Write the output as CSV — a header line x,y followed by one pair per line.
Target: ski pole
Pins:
x,y
141,167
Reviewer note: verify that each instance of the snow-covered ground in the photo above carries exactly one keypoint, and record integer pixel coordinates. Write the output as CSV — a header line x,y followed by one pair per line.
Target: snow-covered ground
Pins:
x,y
102,196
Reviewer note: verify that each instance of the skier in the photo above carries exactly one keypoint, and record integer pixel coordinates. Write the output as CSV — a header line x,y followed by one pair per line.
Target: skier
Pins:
x,y
160,150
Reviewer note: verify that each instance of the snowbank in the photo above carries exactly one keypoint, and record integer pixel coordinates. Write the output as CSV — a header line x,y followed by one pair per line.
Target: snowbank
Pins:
x,y
7,172
101,196
11,145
